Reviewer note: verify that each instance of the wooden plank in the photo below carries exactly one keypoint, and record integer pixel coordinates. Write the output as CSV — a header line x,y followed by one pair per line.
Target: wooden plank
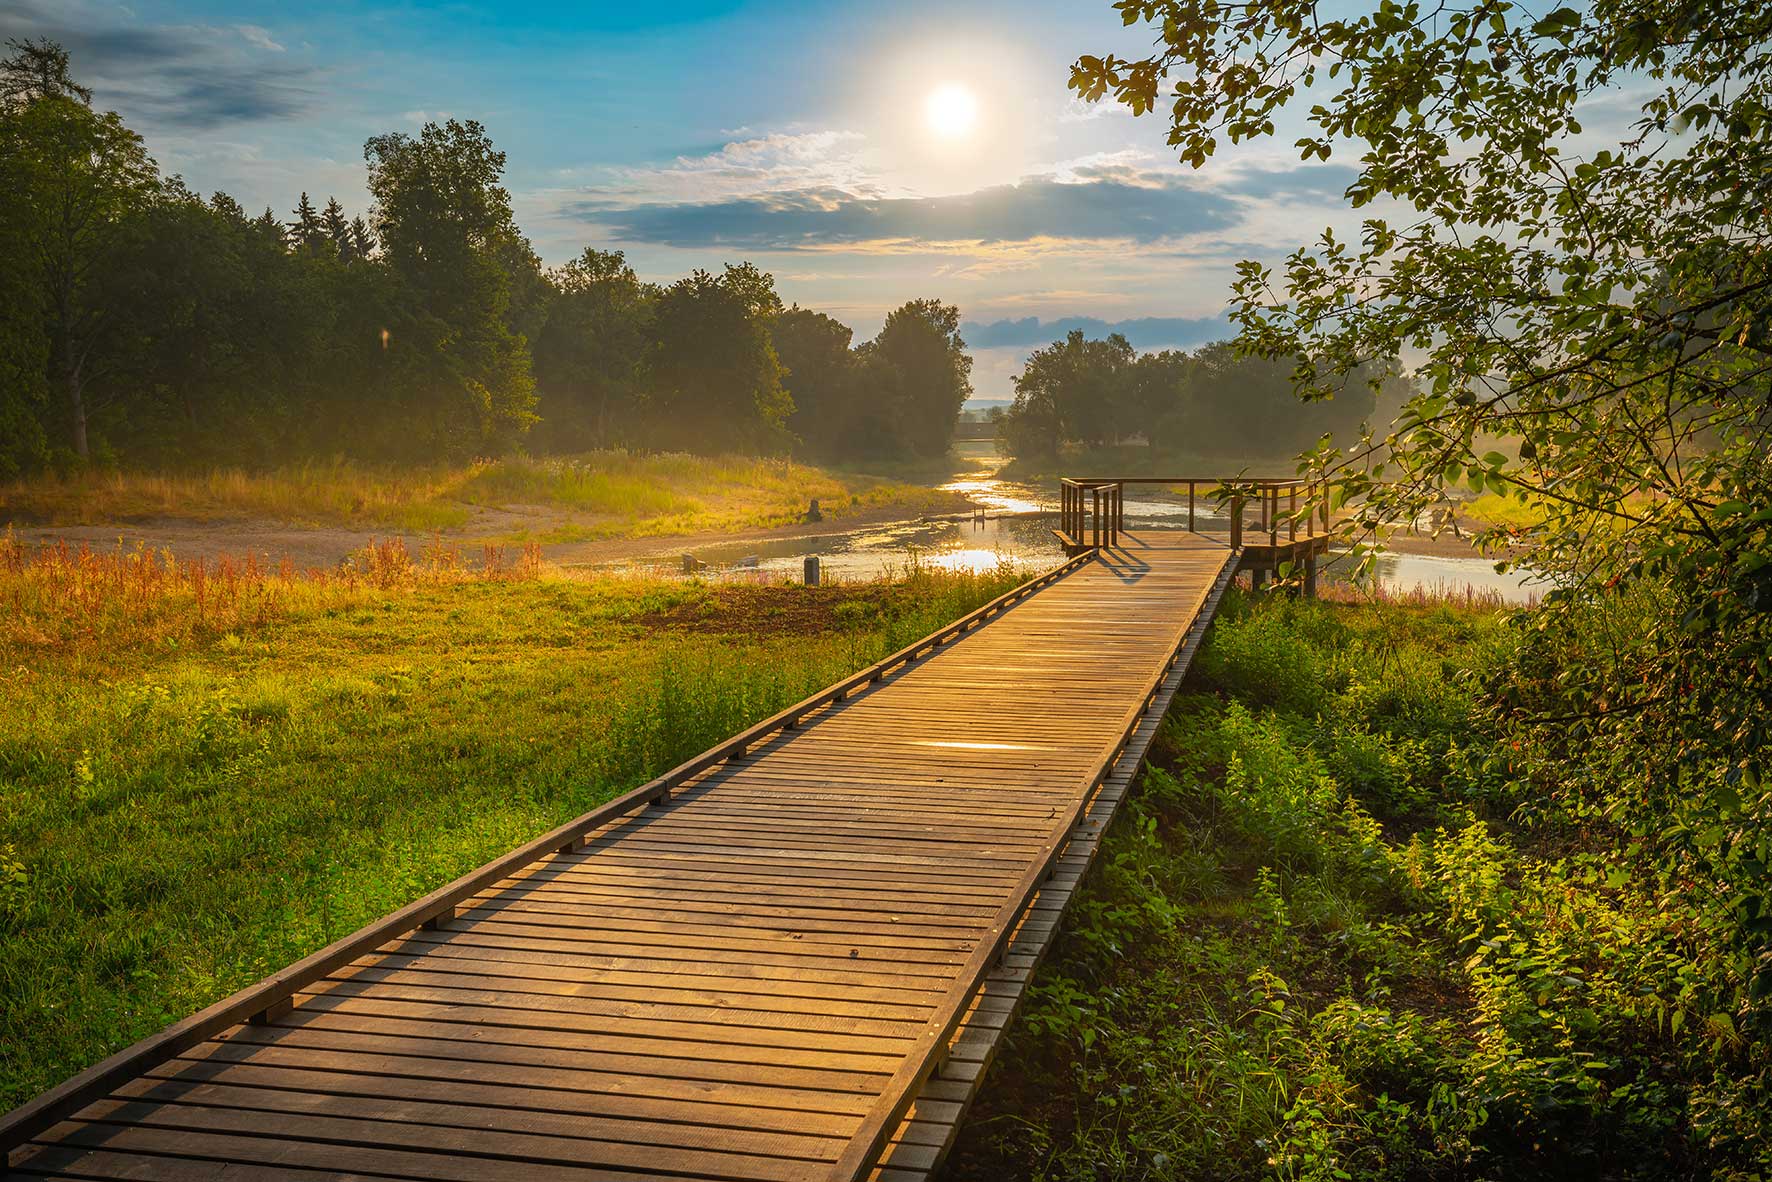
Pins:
x,y
934,1118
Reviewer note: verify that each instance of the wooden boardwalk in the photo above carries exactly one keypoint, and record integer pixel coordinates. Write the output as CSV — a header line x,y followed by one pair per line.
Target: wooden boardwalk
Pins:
x,y
752,980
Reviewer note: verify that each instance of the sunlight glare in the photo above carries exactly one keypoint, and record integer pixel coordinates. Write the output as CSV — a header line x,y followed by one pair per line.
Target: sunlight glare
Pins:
x,y
950,111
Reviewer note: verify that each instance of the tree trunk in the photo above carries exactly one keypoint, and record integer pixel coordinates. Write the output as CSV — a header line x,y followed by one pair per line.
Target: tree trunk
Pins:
x,y
73,386
77,408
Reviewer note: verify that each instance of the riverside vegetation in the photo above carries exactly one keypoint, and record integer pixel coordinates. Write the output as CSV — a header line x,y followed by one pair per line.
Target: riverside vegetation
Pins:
x,y
601,494
210,769
1345,929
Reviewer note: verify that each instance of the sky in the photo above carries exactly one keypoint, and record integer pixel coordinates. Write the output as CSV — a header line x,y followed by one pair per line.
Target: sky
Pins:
x,y
865,154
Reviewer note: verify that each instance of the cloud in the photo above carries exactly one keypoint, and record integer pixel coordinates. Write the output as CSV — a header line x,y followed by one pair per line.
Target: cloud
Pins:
x,y
763,165
1077,110
258,35
1141,208
190,77
1148,332
1297,182
220,98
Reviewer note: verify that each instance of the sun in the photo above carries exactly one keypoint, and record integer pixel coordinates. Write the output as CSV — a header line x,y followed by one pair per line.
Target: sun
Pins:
x,y
950,111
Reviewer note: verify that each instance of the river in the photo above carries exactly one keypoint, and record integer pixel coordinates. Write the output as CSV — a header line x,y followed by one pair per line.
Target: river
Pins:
x,y
1016,530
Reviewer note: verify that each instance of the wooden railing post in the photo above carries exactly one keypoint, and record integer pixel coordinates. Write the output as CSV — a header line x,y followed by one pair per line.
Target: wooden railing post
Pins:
x,y
1190,504
1236,520
1292,515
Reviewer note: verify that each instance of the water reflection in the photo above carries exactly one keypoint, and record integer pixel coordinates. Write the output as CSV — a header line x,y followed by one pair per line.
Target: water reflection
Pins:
x,y
1017,532
1024,541
1421,572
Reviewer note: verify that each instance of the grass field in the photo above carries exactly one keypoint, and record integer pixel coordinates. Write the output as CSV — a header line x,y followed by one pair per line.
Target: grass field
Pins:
x,y
602,494
207,771
1340,934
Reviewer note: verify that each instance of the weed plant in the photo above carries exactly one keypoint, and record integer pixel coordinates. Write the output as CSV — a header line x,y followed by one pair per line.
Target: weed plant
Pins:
x,y
1337,935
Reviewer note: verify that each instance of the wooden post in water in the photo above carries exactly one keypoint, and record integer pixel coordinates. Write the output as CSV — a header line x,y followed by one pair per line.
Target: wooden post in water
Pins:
x,y
810,567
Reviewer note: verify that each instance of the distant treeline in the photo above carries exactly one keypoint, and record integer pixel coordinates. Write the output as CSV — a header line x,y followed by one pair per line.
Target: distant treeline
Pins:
x,y
1211,403
142,324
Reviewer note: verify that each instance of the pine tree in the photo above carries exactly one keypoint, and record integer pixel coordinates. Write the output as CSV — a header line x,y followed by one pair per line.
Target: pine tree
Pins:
x,y
362,239
306,232
337,229
225,206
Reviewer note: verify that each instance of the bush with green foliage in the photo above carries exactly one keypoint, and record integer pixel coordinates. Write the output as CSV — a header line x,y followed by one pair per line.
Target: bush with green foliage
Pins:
x,y
1341,932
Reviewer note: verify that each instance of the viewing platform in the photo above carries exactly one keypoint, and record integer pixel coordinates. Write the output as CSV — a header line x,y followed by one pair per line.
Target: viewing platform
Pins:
x,y
1282,538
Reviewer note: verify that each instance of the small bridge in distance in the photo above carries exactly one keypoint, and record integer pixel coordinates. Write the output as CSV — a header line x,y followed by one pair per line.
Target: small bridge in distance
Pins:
x,y
790,958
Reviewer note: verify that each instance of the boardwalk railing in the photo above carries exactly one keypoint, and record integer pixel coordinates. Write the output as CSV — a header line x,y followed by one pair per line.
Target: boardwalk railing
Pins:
x,y
1092,510
274,995
1092,514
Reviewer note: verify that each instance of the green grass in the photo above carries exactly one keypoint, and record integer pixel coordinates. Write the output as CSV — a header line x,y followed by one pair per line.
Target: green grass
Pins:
x,y
1325,941
196,789
598,495
1492,510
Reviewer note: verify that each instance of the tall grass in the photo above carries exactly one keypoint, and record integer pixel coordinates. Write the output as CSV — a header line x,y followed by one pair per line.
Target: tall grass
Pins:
x,y
59,596
204,776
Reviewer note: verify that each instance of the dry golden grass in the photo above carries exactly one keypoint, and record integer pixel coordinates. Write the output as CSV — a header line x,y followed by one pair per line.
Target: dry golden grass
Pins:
x,y
60,597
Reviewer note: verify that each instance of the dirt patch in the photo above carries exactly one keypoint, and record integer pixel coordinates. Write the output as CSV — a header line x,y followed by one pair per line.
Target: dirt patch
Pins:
x,y
782,610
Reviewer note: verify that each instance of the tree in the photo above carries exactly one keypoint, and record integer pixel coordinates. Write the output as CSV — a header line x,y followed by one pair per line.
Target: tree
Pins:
x,y
307,232
362,240
927,373
1597,303
591,359
717,379
38,70
444,225
821,379
336,229
1074,391
1245,408
1154,390
24,349
80,176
